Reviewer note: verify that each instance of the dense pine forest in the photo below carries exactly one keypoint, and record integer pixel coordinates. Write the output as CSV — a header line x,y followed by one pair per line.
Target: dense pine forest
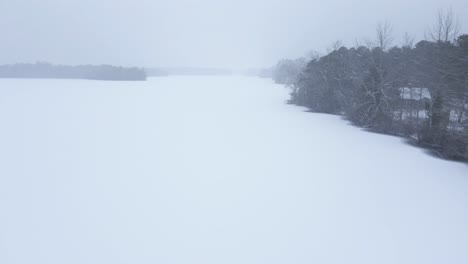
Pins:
x,y
417,91
90,72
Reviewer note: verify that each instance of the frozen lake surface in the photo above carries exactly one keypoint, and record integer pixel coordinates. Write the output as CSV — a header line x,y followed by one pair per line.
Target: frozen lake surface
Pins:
x,y
212,170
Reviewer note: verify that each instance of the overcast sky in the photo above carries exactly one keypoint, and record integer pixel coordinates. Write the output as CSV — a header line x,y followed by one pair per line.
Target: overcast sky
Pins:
x,y
206,33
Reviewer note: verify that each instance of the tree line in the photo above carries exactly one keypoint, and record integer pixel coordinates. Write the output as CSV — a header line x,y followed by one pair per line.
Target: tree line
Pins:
x,y
90,72
156,72
418,91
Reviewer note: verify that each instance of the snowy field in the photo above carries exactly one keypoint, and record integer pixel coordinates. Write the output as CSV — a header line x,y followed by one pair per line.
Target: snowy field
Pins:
x,y
212,170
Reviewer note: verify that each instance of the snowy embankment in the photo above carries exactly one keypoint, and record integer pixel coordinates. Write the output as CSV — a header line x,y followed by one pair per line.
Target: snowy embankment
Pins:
x,y
212,170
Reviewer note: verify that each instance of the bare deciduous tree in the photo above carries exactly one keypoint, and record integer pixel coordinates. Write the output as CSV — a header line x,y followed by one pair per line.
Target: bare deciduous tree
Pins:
x,y
446,28
408,41
384,38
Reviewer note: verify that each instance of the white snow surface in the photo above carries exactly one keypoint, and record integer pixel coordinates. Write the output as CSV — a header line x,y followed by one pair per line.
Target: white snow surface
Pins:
x,y
205,170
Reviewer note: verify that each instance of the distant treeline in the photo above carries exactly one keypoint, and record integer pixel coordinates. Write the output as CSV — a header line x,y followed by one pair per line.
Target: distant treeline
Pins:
x,y
260,72
90,72
187,71
417,91
257,72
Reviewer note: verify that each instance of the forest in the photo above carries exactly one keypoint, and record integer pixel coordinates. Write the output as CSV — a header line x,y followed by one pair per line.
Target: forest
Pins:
x,y
90,72
418,91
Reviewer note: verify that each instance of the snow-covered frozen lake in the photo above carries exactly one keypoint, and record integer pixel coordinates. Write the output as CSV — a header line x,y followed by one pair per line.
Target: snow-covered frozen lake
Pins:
x,y
212,170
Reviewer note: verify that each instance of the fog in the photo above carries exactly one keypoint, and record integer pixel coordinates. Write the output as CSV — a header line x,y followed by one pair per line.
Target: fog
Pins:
x,y
203,33
233,132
